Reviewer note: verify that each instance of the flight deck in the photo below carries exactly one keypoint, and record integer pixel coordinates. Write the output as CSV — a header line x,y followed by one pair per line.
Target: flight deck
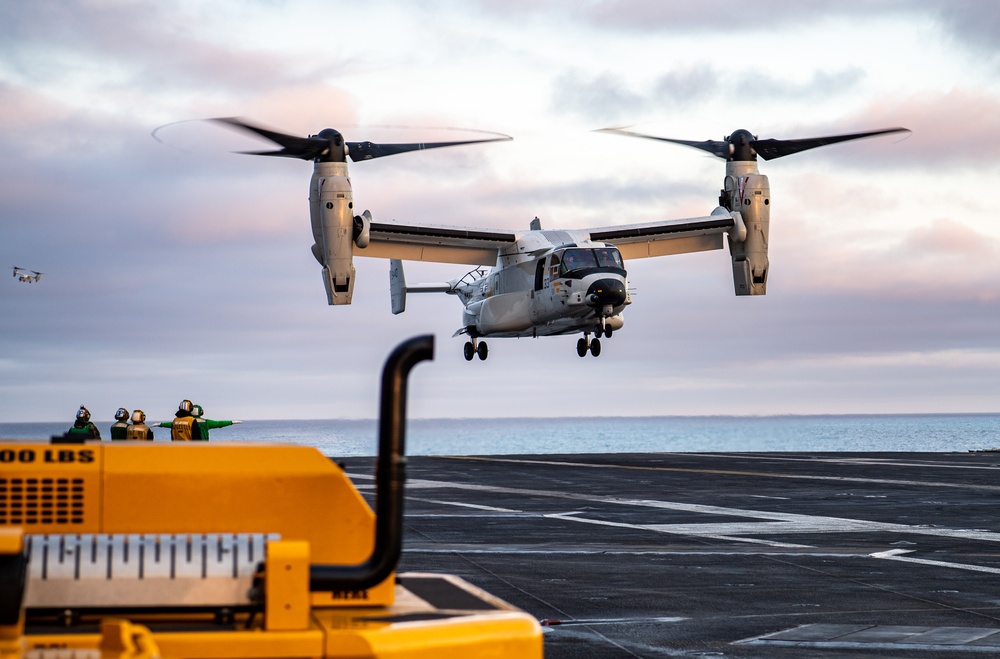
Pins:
x,y
721,555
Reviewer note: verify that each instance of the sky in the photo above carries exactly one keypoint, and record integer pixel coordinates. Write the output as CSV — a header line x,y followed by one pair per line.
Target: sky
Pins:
x,y
176,269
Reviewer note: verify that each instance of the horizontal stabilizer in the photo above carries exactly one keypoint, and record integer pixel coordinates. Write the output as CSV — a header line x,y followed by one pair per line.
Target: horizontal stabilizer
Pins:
x,y
443,287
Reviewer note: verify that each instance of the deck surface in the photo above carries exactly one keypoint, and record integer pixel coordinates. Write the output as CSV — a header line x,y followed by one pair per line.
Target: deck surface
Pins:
x,y
721,555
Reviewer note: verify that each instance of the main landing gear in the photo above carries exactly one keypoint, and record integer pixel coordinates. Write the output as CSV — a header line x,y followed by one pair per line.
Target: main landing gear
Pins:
x,y
593,346
587,344
474,347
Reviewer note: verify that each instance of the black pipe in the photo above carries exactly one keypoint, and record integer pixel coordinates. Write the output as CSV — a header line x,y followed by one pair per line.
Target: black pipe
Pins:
x,y
390,477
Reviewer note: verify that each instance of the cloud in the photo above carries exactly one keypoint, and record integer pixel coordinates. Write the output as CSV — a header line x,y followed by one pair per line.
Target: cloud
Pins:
x,y
174,274
970,23
951,239
952,127
607,97
711,15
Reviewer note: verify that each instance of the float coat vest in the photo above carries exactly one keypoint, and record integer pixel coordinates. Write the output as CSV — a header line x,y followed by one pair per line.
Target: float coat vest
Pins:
x,y
119,430
139,431
182,429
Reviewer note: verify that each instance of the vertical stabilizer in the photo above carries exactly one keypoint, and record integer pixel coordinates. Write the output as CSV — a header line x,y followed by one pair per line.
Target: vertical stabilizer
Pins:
x,y
397,286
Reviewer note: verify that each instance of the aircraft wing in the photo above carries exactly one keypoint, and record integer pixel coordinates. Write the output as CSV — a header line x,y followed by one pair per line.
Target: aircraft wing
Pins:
x,y
438,244
696,234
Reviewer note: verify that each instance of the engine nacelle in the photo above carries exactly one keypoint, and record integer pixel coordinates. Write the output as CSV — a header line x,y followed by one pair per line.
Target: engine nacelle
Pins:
x,y
749,193
331,207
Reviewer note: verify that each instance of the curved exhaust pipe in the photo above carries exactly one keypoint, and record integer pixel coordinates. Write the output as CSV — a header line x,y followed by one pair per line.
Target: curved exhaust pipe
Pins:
x,y
390,477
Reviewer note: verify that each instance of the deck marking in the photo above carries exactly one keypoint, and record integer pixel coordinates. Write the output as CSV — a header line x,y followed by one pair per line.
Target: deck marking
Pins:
x,y
737,552
469,505
733,472
790,522
662,528
549,622
897,555
902,639
870,461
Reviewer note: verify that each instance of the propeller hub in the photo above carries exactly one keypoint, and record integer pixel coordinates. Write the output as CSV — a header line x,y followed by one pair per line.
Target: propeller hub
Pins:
x,y
331,135
741,146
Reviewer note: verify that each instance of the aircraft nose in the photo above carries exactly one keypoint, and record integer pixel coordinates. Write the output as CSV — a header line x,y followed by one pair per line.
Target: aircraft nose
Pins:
x,y
605,292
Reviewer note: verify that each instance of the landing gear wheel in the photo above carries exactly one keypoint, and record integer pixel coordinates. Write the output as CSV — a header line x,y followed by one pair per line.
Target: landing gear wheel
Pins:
x,y
597,334
607,332
581,347
595,347
483,351
470,351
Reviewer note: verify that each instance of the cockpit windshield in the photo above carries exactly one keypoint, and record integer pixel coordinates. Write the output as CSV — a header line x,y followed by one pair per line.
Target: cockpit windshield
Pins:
x,y
579,261
609,257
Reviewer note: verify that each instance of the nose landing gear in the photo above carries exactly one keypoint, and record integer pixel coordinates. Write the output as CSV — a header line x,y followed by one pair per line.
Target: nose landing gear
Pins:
x,y
474,347
602,324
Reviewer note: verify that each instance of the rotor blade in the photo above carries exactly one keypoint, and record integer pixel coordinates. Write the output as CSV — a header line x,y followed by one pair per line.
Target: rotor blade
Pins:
x,y
715,147
359,151
304,148
770,149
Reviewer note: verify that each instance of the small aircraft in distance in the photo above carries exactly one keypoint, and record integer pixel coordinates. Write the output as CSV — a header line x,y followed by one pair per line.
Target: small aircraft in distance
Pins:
x,y
32,278
540,282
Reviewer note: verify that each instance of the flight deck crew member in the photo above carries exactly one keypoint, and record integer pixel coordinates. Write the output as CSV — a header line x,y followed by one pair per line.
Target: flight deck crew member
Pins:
x,y
139,430
182,427
120,426
202,425
83,426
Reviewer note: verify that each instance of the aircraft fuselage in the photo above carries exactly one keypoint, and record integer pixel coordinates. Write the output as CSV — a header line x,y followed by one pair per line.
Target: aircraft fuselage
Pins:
x,y
558,289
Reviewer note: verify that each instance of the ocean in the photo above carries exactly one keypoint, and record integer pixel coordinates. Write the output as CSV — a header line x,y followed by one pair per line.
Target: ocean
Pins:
x,y
340,438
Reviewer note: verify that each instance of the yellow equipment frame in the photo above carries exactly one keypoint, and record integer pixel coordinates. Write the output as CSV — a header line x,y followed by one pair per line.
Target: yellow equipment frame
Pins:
x,y
327,587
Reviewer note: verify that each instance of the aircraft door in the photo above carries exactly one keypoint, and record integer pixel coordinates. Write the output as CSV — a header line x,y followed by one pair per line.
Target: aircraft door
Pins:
x,y
540,274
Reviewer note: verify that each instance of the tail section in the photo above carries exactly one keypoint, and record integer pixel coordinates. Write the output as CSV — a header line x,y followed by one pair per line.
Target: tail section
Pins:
x,y
398,288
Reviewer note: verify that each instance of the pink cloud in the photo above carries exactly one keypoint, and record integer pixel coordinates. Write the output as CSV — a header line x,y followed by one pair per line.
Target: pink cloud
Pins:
x,y
955,126
948,238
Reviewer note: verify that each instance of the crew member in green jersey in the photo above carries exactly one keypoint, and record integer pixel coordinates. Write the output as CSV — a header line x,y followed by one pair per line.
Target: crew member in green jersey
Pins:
x,y
83,426
203,425
120,427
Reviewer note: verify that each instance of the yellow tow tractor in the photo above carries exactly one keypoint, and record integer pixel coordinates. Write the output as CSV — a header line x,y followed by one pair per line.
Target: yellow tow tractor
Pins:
x,y
147,549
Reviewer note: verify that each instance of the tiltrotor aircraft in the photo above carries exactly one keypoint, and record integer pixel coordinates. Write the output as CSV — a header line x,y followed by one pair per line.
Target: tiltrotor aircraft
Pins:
x,y
30,279
541,282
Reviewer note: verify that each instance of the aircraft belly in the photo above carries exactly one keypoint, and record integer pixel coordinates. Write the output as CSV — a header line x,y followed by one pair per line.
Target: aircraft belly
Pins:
x,y
508,312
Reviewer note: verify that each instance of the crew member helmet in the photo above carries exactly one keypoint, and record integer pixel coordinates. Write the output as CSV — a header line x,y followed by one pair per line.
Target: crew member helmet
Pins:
x,y
83,414
138,416
121,414
185,406
196,410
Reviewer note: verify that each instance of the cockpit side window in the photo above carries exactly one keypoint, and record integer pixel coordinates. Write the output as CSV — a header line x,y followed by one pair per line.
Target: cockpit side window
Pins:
x,y
554,266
